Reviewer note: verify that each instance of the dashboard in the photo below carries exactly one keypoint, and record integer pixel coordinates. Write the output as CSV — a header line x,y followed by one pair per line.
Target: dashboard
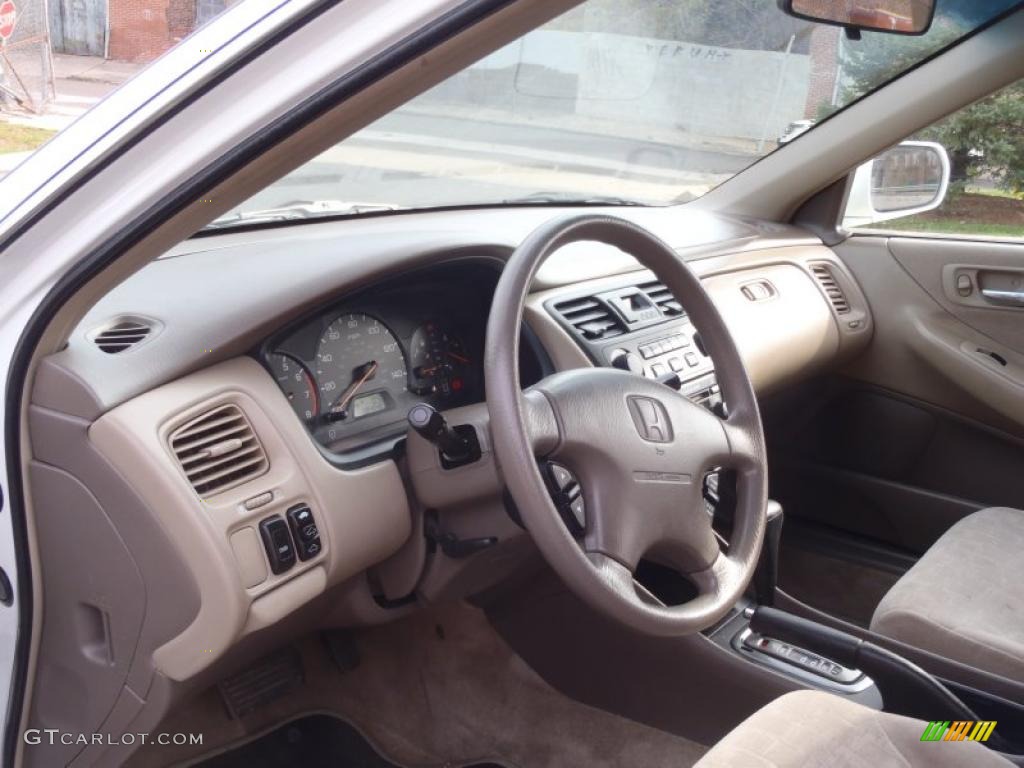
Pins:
x,y
265,396
352,370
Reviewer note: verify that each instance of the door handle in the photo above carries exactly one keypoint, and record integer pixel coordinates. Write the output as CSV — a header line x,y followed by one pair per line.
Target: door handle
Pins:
x,y
1005,298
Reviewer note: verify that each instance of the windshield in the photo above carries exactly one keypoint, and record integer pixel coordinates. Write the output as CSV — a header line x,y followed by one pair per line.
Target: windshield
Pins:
x,y
619,101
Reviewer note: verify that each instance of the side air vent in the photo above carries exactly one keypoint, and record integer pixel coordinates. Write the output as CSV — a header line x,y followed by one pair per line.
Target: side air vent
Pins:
x,y
591,318
663,298
122,334
835,294
219,450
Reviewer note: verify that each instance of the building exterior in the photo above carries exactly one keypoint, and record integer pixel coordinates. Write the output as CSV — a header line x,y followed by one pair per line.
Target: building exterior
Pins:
x,y
127,30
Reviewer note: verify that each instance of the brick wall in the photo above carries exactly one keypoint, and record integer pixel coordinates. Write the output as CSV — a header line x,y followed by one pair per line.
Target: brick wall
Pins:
x,y
140,30
824,52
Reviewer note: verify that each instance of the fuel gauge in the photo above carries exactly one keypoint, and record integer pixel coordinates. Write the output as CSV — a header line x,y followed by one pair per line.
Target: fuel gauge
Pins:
x,y
439,362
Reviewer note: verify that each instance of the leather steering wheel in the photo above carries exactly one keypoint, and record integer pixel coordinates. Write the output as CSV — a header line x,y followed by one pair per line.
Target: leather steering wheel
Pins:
x,y
639,449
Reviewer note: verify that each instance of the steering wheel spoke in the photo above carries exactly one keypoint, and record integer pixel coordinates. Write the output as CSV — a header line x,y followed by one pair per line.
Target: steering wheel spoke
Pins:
x,y
745,452
621,579
540,422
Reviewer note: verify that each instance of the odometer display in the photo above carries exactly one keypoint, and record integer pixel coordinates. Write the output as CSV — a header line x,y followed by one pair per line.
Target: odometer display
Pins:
x,y
367,405
358,356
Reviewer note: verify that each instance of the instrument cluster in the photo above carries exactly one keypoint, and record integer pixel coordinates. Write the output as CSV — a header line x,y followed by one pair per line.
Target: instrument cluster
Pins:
x,y
352,372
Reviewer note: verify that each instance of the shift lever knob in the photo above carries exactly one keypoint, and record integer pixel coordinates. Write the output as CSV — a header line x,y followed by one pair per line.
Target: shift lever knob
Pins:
x,y
430,424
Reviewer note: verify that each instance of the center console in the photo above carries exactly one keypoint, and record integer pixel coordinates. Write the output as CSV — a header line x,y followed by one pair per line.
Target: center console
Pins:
x,y
639,328
826,658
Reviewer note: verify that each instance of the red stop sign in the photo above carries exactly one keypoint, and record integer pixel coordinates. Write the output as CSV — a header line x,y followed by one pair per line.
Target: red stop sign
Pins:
x,y
8,15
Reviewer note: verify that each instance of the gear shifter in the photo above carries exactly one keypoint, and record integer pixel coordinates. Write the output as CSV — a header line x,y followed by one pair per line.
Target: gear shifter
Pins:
x,y
767,574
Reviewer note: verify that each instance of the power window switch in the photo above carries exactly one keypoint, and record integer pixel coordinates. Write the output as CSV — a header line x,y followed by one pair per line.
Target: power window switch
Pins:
x,y
278,544
304,528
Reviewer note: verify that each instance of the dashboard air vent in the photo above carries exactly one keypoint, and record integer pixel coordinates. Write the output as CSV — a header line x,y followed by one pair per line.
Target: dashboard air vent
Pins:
x,y
835,294
219,450
121,334
591,318
663,297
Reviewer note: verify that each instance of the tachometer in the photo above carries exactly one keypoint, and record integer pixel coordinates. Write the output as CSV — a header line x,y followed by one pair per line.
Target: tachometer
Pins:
x,y
360,368
296,383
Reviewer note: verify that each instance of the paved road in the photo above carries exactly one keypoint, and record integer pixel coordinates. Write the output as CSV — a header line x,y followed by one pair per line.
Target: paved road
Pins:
x,y
422,160
523,135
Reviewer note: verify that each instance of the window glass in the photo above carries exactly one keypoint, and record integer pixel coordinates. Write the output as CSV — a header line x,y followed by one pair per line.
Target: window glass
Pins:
x,y
628,101
985,144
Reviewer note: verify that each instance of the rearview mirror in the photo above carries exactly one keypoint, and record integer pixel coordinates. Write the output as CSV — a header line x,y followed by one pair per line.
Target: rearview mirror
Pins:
x,y
901,17
910,178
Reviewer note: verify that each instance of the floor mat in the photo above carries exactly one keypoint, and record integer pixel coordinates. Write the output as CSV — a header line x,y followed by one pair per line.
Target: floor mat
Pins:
x,y
314,741
440,686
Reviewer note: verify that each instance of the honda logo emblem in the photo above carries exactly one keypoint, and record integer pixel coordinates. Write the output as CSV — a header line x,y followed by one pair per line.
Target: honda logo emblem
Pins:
x,y
651,419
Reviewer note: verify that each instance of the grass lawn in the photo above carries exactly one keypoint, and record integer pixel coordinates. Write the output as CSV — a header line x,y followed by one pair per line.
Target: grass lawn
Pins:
x,y
21,138
953,227
990,214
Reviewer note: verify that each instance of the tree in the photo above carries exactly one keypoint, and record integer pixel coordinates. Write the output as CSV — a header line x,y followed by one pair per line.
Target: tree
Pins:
x,y
986,137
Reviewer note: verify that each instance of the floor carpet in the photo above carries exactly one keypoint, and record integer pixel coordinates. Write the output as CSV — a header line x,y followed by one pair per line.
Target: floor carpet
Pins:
x,y
438,688
314,741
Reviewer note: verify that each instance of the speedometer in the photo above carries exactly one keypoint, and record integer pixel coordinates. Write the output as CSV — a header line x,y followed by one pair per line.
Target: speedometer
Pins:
x,y
361,368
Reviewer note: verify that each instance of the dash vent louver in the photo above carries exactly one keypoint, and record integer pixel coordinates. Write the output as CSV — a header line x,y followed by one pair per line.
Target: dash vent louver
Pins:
x,y
663,297
121,335
823,274
592,318
219,450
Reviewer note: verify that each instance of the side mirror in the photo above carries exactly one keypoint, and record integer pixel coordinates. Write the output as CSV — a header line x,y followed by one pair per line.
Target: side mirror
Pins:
x,y
910,178
900,17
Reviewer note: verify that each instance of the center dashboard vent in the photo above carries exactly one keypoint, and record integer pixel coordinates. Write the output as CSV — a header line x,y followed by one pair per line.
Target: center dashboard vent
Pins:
x,y
219,450
663,298
591,318
823,274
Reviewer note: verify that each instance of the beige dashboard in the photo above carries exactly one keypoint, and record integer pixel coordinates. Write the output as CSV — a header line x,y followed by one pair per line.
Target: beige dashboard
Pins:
x,y
133,441
364,515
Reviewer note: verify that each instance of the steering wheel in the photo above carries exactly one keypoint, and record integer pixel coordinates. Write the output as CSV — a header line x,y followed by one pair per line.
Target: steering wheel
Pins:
x,y
639,449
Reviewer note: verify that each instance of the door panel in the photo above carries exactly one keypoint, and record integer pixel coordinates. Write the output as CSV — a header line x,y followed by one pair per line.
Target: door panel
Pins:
x,y
927,425
938,266
932,349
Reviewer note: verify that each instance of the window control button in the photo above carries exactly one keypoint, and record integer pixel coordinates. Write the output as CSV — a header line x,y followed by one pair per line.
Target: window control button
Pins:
x,y
304,528
278,544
